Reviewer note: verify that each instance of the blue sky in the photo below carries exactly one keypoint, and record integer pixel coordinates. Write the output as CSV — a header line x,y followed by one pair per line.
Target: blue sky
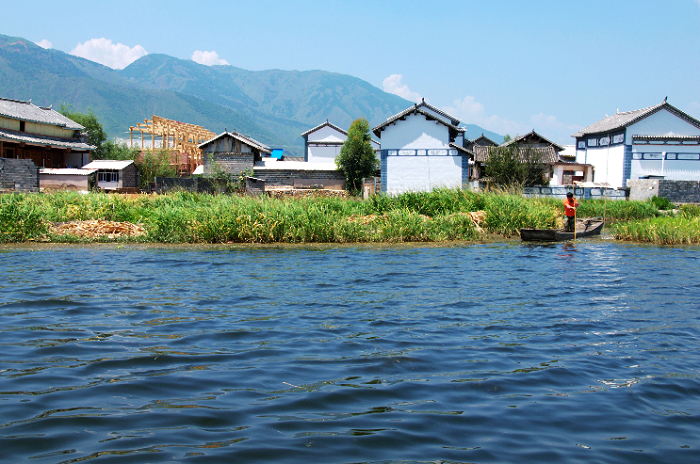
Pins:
x,y
508,66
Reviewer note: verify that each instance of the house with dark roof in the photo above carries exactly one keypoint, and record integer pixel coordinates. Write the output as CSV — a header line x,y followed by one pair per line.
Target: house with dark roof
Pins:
x,y
657,142
560,170
422,149
41,134
232,153
322,144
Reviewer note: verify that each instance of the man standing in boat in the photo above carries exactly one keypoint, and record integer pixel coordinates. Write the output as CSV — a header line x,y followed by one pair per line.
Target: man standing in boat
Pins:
x,y
570,205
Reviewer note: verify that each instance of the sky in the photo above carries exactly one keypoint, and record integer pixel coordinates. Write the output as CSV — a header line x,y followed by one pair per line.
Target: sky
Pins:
x,y
507,66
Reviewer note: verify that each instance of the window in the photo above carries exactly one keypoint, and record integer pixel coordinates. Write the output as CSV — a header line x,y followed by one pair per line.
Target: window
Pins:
x,y
21,126
592,142
582,144
108,176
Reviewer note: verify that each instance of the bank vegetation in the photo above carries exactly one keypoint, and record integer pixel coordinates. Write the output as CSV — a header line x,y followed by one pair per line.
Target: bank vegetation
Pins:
x,y
441,215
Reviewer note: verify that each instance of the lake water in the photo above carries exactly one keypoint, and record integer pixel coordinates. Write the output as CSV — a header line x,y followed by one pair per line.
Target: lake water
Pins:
x,y
487,353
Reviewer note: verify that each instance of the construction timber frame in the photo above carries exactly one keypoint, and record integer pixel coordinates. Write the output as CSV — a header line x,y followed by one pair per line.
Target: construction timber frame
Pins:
x,y
180,137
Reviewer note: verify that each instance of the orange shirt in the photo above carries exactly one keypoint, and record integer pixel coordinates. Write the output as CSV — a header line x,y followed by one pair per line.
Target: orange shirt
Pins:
x,y
569,205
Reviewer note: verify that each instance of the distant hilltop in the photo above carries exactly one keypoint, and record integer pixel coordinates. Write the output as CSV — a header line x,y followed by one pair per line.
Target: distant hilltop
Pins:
x,y
273,106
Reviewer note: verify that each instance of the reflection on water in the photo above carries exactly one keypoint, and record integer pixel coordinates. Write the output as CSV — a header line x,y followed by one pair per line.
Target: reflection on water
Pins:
x,y
581,352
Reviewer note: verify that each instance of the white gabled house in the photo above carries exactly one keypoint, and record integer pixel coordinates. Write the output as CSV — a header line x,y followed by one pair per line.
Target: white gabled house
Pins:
x,y
660,142
422,149
322,144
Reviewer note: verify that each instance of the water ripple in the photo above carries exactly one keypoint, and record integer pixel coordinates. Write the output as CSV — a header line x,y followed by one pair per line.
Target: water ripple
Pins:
x,y
479,353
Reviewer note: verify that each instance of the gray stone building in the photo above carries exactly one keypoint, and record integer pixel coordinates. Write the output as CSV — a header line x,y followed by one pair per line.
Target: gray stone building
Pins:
x,y
232,153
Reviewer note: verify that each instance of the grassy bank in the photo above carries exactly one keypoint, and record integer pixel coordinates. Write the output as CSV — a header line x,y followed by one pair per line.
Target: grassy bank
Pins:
x,y
682,228
185,217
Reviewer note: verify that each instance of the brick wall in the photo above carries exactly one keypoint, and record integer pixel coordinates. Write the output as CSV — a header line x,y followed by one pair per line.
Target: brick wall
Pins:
x,y
130,177
291,177
19,174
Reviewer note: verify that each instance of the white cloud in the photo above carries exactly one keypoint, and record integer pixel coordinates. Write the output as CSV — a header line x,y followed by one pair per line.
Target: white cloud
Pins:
x,y
470,111
103,51
45,44
393,84
207,58
553,129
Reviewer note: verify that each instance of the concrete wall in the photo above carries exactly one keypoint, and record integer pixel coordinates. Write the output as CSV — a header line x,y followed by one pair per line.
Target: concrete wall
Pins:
x,y
65,181
422,173
19,174
324,153
676,191
608,164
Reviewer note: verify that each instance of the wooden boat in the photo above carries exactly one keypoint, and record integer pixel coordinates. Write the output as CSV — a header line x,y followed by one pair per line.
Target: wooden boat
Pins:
x,y
584,228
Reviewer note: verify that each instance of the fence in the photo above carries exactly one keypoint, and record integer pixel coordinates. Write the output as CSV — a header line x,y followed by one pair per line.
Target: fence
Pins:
x,y
585,193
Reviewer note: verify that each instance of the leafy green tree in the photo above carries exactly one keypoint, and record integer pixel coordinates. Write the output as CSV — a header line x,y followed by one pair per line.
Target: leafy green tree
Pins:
x,y
507,138
515,166
95,132
357,159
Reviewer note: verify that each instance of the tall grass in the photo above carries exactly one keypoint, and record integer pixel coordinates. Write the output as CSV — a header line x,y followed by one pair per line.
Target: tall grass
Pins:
x,y
185,217
678,230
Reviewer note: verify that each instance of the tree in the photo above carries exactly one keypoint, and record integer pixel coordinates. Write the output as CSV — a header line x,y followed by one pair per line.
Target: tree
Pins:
x,y
357,159
515,166
507,138
95,132
150,163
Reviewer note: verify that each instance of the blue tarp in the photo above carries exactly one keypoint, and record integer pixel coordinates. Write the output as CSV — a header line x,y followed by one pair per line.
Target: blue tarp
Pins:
x,y
277,153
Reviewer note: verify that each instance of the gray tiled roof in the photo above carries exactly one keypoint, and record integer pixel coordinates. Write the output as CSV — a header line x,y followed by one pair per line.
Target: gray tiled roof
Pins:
x,y
324,125
461,149
243,138
548,154
483,137
44,140
667,138
533,134
621,120
27,111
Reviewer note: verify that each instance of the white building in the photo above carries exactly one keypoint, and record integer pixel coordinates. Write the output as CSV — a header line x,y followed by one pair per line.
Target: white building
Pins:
x,y
660,141
322,144
422,149
115,174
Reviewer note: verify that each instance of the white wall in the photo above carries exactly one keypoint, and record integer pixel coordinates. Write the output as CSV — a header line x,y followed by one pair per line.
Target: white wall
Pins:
x,y
327,134
422,173
415,132
661,123
608,164
671,169
323,154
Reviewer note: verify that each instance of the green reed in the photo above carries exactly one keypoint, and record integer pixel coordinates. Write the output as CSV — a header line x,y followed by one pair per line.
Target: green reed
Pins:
x,y
185,217
678,230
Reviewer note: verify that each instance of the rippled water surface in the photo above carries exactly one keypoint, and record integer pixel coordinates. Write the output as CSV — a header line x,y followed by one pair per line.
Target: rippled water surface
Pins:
x,y
496,353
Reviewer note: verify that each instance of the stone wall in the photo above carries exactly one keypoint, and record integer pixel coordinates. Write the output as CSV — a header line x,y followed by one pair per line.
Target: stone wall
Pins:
x,y
301,178
231,163
21,175
677,191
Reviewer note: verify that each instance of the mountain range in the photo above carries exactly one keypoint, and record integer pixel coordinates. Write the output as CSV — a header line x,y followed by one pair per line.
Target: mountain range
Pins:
x,y
272,106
